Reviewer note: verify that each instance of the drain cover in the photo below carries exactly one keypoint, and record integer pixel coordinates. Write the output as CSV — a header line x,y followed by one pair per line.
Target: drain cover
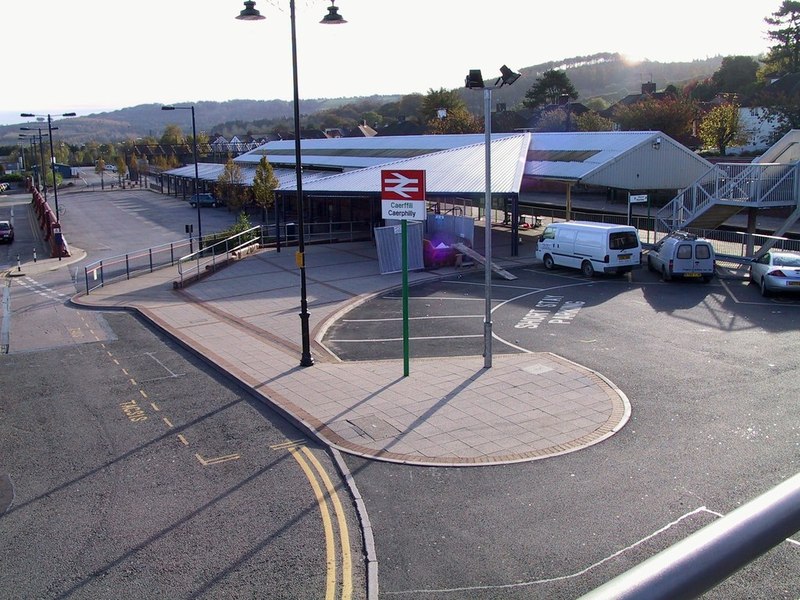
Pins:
x,y
374,427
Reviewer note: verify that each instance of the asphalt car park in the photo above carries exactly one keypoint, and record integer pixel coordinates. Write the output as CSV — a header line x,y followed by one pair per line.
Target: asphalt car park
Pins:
x,y
558,310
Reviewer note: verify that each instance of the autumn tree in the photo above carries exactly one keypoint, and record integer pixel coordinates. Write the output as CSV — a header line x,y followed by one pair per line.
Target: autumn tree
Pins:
x,y
444,111
548,89
591,121
721,128
552,120
672,116
457,120
229,185
173,135
264,185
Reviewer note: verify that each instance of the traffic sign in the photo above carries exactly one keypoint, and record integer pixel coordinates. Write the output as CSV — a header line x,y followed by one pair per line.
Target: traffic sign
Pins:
x,y
637,199
403,194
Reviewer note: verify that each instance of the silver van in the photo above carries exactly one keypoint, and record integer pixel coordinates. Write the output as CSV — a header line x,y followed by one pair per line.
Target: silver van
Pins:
x,y
682,255
590,247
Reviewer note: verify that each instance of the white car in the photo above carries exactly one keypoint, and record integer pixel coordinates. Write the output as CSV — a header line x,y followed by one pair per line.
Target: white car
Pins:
x,y
776,271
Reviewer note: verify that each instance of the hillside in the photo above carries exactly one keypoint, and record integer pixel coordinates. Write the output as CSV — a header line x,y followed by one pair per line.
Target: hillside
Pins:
x,y
602,75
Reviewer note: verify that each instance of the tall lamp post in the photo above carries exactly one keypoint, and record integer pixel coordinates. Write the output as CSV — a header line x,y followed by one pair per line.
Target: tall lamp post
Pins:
x,y
52,155
42,177
42,182
250,13
196,172
475,81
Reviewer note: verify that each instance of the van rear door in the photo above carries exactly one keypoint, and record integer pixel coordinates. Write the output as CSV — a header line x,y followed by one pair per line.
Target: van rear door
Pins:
x,y
624,248
693,259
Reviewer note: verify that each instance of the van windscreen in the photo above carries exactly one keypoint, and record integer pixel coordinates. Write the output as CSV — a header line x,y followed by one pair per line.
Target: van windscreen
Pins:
x,y
623,240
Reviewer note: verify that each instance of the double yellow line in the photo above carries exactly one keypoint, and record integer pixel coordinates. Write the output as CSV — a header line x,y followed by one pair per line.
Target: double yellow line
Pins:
x,y
323,492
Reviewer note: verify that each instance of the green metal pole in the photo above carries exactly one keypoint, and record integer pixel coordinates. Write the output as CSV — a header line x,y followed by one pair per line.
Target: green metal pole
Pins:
x,y
404,230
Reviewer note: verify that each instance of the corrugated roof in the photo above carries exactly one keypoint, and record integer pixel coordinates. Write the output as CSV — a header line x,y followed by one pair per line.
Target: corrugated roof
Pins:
x,y
575,155
455,164
357,153
454,171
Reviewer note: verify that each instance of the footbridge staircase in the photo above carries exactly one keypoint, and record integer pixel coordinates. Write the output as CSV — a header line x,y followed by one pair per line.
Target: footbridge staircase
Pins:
x,y
726,189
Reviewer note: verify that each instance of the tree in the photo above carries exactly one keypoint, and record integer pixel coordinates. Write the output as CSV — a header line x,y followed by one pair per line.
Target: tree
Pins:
x,y
456,120
736,75
548,89
721,128
229,185
173,135
784,57
672,116
100,168
552,120
264,185
782,110
591,121
436,100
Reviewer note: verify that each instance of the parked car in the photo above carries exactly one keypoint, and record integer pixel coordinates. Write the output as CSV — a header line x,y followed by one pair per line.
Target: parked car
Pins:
x,y
204,200
776,271
684,255
6,232
110,167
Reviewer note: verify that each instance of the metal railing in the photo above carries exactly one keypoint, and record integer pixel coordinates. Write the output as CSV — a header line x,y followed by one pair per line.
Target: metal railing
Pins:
x,y
760,185
128,265
216,254
706,558
729,244
147,260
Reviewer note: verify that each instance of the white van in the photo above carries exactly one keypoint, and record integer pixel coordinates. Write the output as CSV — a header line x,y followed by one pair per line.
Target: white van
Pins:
x,y
682,254
590,247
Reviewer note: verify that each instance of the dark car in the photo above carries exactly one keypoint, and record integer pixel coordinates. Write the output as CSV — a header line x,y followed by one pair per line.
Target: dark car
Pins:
x,y
6,232
204,200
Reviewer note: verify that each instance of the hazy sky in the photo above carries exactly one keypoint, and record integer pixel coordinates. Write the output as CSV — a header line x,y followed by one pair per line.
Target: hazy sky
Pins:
x,y
94,55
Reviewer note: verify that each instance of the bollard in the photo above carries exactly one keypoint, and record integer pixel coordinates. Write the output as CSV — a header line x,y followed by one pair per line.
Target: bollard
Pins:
x,y
19,266
34,255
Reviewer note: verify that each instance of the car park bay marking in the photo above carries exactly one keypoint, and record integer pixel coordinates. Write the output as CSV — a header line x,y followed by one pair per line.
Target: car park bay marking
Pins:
x,y
432,337
412,318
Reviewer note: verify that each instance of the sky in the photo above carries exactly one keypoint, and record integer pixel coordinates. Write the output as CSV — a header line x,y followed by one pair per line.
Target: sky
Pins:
x,y
89,56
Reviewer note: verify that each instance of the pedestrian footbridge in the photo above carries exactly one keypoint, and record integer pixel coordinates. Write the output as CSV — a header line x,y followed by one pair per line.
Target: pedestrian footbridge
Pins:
x,y
771,181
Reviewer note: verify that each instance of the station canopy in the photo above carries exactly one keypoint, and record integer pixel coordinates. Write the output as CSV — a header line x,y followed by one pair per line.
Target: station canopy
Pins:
x,y
455,164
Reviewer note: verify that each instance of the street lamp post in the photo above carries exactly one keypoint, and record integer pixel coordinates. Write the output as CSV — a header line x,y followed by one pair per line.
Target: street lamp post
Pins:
x,y
250,13
52,157
42,178
196,172
475,81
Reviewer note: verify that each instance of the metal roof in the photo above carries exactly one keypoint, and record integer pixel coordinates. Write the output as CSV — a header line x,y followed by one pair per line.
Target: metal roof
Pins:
x,y
455,171
455,164
360,152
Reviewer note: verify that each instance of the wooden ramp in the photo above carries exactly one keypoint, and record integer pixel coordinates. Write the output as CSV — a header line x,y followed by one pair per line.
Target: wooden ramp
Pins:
x,y
479,258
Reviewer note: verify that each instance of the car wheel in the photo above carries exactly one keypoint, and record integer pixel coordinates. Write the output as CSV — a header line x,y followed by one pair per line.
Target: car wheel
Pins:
x,y
213,205
194,204
587,269
665,274
764,290
548,262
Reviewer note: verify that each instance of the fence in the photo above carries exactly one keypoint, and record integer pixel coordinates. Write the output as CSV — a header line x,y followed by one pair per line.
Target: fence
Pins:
x,y
728,243
216,248
147,260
